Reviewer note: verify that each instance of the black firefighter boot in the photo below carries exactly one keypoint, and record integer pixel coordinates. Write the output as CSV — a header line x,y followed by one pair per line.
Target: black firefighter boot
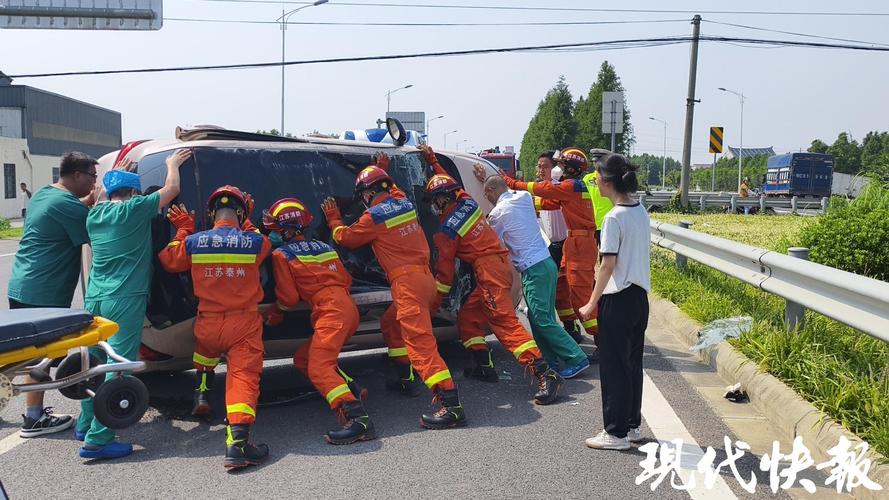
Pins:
x,y
356,425
404,382
355,388
549,382
573,330
202,395
240,452
482,367
449,415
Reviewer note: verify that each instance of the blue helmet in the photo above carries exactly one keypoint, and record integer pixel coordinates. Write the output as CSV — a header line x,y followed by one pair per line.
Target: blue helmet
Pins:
x,y
115,180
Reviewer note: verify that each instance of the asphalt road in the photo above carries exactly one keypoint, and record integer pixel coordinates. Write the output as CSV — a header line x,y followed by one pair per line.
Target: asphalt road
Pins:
x,y
511,447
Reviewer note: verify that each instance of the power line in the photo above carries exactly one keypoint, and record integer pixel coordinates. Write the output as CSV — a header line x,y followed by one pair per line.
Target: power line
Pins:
x,y
590,45
557,9
808,35
403,24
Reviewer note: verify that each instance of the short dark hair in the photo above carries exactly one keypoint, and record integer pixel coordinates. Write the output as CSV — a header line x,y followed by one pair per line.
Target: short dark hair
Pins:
x,y
547,154
617,169
74,161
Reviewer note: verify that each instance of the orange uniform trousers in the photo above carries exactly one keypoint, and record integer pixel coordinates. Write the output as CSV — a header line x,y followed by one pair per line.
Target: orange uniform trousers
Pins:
x,y
577,277
238,335
491,304
335,320
407,325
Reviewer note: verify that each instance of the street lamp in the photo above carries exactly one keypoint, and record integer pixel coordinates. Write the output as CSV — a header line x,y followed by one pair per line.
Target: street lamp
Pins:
x,y
283,19
462,142
741,99
446,138
389,95
664,164
430,121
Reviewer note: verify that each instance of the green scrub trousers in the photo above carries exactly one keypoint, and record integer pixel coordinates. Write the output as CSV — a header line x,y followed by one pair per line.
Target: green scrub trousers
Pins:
x,y
539,289
129,314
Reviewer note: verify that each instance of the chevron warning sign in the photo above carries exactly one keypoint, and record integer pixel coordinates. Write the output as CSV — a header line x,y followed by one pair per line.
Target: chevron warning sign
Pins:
x,y
716,139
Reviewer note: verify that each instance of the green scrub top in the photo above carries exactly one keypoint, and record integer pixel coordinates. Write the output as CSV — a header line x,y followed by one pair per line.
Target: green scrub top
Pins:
x,y
120,232
47,263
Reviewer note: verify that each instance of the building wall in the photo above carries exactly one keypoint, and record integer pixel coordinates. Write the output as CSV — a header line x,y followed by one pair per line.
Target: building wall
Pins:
x,y
54,124
34,170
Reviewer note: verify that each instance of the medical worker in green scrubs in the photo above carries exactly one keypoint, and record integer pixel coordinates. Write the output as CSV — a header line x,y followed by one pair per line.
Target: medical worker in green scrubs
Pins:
x,y
120,232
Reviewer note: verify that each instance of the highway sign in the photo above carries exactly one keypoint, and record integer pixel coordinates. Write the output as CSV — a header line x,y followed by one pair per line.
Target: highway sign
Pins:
x,y
716,134
612,112
114,15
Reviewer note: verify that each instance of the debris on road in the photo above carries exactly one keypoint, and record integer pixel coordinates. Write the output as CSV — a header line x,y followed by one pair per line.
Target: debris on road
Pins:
x,y
736,394
721,329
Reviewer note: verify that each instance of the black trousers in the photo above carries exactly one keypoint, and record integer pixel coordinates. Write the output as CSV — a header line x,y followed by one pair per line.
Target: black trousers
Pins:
x,y
623,318
555,251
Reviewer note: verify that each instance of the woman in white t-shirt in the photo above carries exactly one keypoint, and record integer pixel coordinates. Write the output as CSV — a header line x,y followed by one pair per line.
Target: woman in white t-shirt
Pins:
x,y
621,292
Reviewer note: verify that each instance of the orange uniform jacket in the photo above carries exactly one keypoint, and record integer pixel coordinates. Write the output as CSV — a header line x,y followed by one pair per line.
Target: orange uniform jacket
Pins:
x,y
224,263
570,195
312,266
393,230
466,235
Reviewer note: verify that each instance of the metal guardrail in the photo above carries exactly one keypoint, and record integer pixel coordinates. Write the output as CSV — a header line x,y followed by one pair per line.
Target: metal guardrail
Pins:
x,y
733,201
851,299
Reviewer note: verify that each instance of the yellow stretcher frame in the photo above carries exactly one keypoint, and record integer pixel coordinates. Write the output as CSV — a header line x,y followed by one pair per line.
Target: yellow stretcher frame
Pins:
x,y
101,329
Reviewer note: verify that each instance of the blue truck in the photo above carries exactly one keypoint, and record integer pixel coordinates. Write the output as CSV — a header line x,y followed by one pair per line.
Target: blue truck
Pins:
x,y
799,174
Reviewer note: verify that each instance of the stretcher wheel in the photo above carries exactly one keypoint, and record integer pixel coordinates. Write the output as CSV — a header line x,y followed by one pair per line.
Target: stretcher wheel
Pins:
x,y
120,402
71,365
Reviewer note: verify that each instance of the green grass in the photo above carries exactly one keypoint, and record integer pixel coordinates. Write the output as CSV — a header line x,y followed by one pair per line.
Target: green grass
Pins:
x,y
15,232
840,370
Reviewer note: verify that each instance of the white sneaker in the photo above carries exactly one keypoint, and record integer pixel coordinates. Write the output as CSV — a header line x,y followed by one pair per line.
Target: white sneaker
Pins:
x,y
605,441
634,435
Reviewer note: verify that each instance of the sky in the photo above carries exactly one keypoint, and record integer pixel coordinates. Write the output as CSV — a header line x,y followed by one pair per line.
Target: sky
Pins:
x,y
794,95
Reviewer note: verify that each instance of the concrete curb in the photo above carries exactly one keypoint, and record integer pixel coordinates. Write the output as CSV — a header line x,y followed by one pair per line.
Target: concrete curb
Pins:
x,y
793,415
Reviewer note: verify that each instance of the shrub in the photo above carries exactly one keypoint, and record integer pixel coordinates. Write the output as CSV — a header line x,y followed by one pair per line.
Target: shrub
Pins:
x,y
852,236
4,224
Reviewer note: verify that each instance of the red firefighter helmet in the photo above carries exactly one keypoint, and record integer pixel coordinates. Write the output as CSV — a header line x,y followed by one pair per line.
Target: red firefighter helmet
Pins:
x,y
230,197
287,213
573,160
441,184
370,177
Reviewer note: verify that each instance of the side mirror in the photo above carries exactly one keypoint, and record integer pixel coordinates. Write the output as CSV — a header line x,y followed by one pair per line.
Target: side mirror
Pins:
x,y
396,131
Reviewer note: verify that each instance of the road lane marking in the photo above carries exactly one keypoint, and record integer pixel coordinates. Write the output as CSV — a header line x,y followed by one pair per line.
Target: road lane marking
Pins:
x,y
10,442
666,426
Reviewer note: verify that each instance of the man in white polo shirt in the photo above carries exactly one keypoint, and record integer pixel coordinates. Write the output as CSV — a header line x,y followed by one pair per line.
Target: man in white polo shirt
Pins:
x,y
514,219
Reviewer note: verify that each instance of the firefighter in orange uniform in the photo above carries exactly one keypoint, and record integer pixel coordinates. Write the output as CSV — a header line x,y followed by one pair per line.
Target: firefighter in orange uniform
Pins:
x,y
580,251
224,263
310,270
391,227
465,234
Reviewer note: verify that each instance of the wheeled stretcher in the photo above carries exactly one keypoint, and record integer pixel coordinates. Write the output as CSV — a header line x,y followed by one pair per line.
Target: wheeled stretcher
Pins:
x,y
30,341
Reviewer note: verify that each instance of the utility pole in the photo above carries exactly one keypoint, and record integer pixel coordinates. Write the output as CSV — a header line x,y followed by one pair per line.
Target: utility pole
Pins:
x,y
689,112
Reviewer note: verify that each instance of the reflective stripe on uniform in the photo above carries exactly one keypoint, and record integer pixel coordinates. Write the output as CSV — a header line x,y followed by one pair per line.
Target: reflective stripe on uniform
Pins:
x,y
438,378
441,287
470,222
530,188
289,204
564,313
240,408
174,243
474,341
397,352
317,259
336,392
343,374
538,201
204,361
337,230
524,347
223,258
401,219
591,323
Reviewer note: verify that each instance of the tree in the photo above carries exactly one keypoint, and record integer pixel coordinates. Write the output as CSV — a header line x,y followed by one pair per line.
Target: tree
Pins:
x,y
274,131
872,148
727,173
588,115
818,146
650,168
552,126
846,154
